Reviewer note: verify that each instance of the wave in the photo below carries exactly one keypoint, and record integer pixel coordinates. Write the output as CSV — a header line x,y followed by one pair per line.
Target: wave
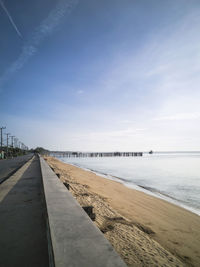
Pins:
x,y
145,189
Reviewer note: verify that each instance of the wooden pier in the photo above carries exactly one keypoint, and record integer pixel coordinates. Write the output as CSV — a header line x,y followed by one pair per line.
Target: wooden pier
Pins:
x,y
95,154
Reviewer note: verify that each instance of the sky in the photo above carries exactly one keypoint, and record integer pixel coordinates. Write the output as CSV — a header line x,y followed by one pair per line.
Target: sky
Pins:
x,y
117,75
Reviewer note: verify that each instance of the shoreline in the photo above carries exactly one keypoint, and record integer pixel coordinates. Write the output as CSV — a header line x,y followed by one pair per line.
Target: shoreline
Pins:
x,y
144,230
143,189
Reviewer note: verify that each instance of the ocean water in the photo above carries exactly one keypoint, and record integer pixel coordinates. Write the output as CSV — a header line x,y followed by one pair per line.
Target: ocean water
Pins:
x,y
174,177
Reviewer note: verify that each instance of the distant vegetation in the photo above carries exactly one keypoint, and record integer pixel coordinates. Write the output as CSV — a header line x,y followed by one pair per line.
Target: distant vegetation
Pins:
x,y
40,150
10,152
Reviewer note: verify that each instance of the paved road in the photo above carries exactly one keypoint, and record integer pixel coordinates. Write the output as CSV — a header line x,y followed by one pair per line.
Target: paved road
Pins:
x,y
7,167
23,240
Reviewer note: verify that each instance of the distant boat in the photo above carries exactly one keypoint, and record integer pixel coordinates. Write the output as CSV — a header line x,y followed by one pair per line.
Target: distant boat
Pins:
x,y
151,152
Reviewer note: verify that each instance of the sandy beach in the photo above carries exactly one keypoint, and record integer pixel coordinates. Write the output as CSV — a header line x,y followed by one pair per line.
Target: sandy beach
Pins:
x,y
144,230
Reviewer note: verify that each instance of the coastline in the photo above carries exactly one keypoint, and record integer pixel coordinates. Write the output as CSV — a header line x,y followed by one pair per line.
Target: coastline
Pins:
x,y
144,230
147,190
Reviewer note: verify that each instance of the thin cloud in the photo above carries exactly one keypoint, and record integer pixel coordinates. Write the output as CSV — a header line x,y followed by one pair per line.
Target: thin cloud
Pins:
x,y
46,28
10,18
117,133
179,116
79,92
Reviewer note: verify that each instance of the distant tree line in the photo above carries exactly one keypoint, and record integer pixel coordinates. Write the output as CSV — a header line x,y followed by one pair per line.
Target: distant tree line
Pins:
x,y
40,150
6,153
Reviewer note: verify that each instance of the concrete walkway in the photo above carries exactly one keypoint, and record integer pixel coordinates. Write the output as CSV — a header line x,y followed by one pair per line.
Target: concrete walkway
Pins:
x,y
23,239
75,240
9,166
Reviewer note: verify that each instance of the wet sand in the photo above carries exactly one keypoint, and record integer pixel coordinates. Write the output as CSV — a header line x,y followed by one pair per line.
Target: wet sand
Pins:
x,y
144,230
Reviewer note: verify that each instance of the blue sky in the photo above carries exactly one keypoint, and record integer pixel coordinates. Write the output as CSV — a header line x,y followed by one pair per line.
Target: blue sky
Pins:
x,y
101,75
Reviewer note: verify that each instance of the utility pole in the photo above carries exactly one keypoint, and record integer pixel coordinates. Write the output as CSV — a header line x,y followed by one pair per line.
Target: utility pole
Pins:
x,y
7,136
16,142
2,128
22,147
12,144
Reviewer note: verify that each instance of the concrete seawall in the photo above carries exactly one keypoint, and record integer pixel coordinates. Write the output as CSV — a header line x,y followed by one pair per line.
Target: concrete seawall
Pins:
x,y
73,238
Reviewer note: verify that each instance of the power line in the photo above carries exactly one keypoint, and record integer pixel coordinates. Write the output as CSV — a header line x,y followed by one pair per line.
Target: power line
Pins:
x,y
14,147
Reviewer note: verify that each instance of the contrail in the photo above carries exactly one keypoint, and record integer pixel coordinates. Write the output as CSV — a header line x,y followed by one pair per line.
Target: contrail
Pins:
x,y
10,18
45,29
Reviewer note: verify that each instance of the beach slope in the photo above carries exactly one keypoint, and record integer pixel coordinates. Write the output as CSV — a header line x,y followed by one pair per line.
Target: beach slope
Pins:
x,y
144,230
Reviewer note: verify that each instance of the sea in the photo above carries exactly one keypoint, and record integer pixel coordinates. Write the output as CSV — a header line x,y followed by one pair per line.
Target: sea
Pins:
x,y
172,176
